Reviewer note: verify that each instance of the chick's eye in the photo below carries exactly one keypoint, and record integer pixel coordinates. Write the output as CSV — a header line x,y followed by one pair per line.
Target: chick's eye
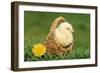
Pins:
x,y
68,28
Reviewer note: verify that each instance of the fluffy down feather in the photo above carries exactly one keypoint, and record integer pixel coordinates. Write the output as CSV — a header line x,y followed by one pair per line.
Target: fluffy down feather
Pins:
x,y
63,34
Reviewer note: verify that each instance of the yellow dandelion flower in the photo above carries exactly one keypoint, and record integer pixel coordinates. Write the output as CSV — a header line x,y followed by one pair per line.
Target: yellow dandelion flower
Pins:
x,y
39,50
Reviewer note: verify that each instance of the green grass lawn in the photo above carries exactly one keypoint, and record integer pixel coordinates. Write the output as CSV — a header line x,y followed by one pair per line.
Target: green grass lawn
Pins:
x,y
37,25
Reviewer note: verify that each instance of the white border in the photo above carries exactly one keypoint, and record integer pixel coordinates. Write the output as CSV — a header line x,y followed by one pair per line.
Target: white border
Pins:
x,y
23,64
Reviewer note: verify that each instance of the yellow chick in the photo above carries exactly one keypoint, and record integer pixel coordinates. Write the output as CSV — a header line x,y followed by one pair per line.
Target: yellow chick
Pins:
x,y
63,34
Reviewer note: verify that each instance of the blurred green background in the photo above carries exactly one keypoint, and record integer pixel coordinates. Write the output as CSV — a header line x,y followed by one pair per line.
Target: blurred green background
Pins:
x,y
37,26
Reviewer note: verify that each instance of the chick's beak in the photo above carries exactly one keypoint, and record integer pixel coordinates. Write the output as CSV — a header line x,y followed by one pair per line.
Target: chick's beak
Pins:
x,y
72,30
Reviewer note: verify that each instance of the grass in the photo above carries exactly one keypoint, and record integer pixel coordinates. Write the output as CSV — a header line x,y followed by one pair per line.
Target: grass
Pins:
x,y
37,25
76,53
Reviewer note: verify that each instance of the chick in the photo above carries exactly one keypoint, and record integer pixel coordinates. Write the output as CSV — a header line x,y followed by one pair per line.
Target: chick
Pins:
x,y
60,39
63,34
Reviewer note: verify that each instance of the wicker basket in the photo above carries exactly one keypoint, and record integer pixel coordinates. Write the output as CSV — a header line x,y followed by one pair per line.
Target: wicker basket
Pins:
x,y
52,46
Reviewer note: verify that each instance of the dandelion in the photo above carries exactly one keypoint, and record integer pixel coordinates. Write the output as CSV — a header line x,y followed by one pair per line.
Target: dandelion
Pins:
x,y
39,50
